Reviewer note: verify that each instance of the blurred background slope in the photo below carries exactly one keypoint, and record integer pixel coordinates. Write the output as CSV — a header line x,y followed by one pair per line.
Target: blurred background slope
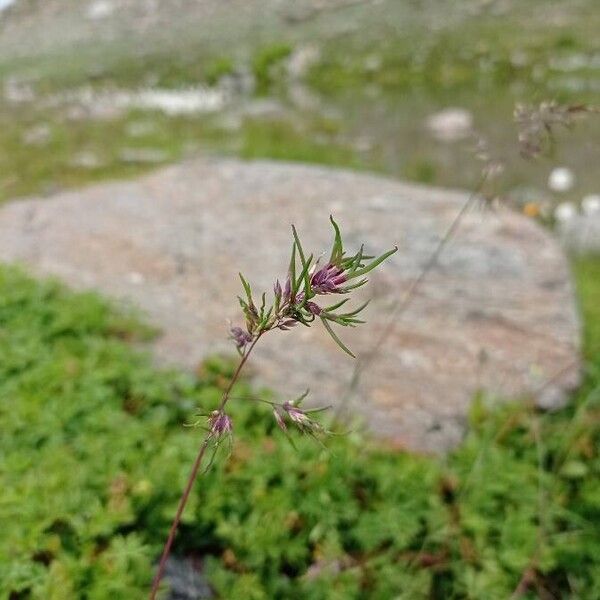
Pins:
x,y
398,87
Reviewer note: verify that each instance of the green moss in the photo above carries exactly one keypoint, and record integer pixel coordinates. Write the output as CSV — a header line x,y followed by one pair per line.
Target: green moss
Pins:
x,y
93,457
55,163
218,68
281,141
479,51
266,65
119,65
421,170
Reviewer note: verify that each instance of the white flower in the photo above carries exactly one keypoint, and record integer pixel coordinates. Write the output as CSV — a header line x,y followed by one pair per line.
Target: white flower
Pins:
x,y
590,205
565,212
561,179
100,9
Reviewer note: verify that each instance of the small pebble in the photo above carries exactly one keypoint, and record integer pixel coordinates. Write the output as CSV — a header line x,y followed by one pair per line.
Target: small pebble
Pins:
x,y
451,124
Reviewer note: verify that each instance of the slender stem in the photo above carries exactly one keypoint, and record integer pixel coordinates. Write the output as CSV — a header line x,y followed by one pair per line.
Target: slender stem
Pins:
x,y
237,372
194,473
177,519
400,306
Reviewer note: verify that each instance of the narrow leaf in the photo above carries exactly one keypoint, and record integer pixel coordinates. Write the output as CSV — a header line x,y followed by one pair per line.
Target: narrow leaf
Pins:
x,y
305,277
299,399
305,263
292,269
335,338
358,284
247,289
310,411
336,305
352,322
357,310
336,251
372,265
357,261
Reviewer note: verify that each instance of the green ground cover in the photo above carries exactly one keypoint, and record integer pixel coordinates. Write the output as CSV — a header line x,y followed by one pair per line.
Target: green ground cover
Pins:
x,y
93,456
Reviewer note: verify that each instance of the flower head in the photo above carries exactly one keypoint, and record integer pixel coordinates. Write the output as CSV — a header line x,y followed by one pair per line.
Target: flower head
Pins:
x,y
328,280
313,308
240,337
297,415
294,298
287,291
279,419
219,423
301,417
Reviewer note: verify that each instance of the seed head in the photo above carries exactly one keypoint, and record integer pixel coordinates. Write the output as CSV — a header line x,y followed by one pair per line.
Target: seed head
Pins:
x,y
313,308
279,419
328,280
240,337
219,423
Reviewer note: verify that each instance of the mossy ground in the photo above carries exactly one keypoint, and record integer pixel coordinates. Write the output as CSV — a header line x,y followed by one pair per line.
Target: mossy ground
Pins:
x,y
93,457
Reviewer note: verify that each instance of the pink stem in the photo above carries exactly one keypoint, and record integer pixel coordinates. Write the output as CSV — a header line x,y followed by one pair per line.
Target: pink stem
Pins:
x,y
192,478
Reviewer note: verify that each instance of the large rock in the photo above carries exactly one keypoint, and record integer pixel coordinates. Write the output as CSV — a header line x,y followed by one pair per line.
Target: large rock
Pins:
x,y
497,313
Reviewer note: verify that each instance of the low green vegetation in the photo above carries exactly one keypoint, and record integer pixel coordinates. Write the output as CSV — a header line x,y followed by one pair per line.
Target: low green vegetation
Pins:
x,y
93,457
267,65
70,153
587,272
363,103
483,54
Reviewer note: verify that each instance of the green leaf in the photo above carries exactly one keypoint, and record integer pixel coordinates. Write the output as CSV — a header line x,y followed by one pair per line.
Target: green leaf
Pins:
x,y
335,338
310,411
298,401
356,262
337,250
305,264
358,284
247,289
292,269
352,322
372,265
336,305
263,302
574,469
305,277
357,310
265,318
